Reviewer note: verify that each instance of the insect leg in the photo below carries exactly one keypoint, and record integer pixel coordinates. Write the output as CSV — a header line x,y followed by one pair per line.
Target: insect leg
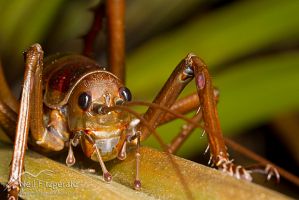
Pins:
x,y
52,135
186,131
166,97
137,182
182,106
87,138
209,110
8,120
135,136
8,108
6,94
106,175
90,37
185,105
33,61
115,11
191,102
70,159
189,68
263,162
115,14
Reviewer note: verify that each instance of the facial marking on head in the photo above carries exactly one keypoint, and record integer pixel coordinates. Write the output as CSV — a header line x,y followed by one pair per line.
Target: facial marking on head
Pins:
x,y
107,97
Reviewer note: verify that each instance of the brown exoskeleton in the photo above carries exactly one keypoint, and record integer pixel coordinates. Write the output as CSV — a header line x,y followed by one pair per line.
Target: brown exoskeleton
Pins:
x,y
70,99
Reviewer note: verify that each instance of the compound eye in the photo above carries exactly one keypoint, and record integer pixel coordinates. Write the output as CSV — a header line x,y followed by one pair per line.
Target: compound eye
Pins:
x,y
84,101
125,93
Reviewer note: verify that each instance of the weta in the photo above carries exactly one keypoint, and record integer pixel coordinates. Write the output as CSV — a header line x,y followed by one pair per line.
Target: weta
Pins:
x,y
70,99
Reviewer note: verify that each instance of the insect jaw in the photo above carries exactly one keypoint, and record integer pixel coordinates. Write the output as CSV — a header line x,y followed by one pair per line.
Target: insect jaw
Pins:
x,y
104,134
108,142
107,147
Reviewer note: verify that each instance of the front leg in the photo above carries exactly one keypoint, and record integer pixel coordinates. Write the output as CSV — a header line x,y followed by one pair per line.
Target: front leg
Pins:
x,y
46,138
33,61
189,68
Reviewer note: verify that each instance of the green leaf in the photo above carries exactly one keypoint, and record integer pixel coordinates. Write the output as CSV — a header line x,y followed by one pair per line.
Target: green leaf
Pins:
x,y
45,178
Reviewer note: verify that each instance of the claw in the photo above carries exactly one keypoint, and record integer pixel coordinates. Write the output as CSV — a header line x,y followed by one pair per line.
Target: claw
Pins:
x,y
246,175
272,171
231,169
268,170
238,170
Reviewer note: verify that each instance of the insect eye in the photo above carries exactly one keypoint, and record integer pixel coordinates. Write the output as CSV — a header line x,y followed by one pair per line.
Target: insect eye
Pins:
x,y
84,101
125,93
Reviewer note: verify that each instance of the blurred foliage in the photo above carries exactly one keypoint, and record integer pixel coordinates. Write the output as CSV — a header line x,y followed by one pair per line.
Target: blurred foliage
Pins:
x,y
251,48
241,44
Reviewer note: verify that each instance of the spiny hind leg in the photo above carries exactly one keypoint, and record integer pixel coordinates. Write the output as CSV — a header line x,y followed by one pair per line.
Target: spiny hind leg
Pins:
x,y
189,68
206,97
33,61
